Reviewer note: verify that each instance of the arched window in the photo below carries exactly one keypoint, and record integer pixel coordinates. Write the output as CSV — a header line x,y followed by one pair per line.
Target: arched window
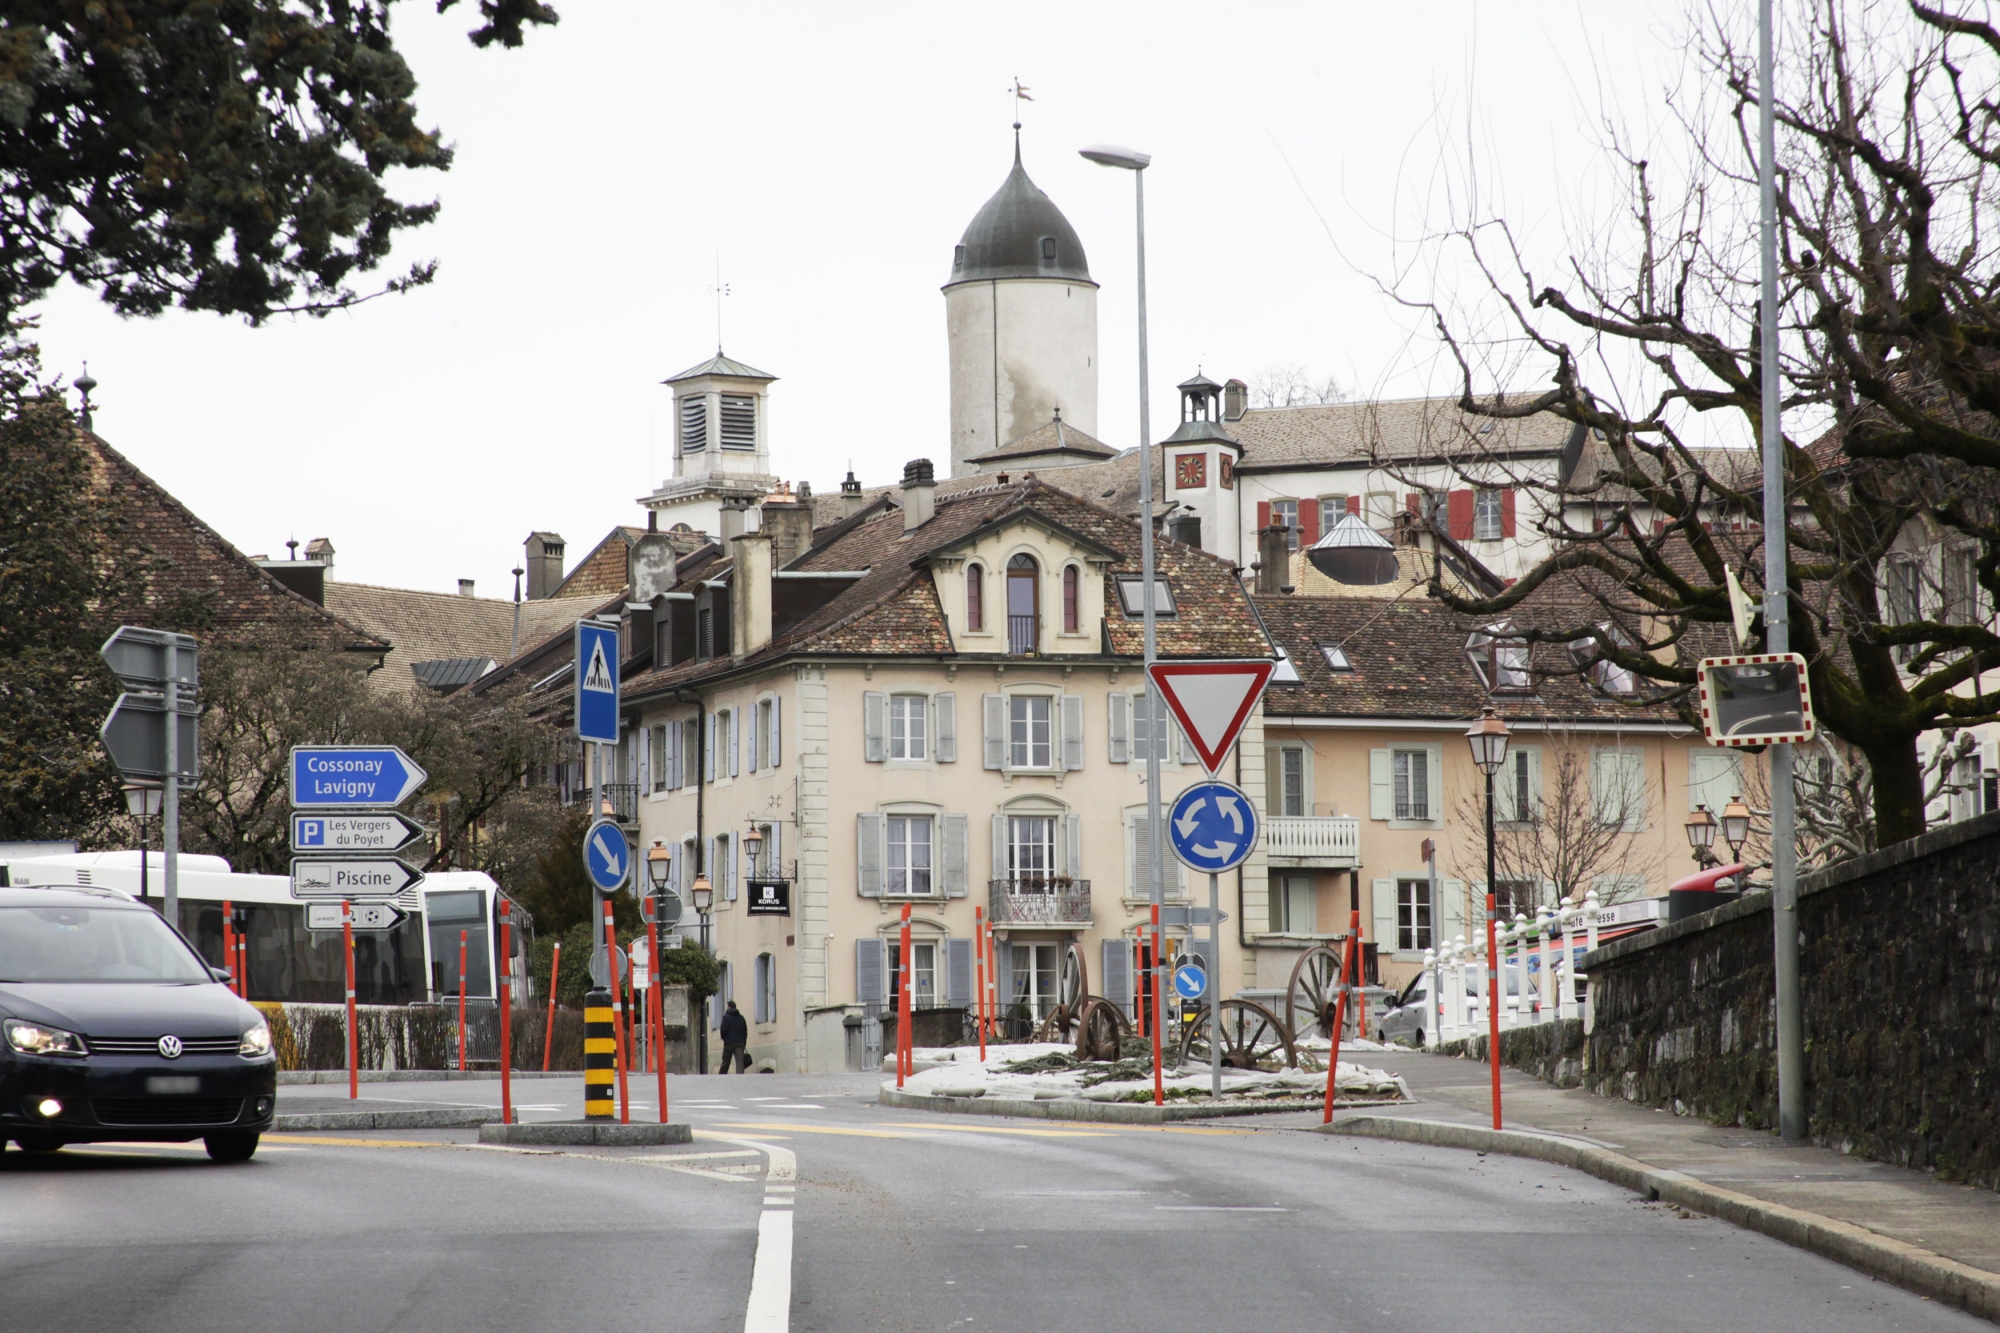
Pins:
x,y
1023,598
975,599
1072,595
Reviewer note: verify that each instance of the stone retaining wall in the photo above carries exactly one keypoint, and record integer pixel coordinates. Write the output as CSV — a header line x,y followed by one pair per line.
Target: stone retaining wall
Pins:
x,y
1552,1052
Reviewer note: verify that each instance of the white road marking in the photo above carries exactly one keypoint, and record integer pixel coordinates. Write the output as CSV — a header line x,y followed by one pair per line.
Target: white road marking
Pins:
x,y
770,1307
1214,1208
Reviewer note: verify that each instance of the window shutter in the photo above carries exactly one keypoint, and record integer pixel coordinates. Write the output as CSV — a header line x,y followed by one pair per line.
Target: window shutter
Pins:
x,y
1003,967
1142,850
1450,914
1072,732
1459,515
1117,973
944,726
956,855
1507,512
871,981
958,973
875,726
868,855
1308,522
673,756
1118,708
735,718
756,743
1534,782
691,751
999,846
1436,777
774,740
1263,514
708,750
994,707
1381,785
1188,756
1384,915
1075,845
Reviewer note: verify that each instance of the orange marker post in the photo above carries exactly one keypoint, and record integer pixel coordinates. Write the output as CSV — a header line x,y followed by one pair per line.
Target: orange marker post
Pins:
x,y
1159,1075
617,1015
555,970
904,1047
506,1015
243,960
1350,962
659,1032
979,980
462,938
229,941
1360,933
353,1036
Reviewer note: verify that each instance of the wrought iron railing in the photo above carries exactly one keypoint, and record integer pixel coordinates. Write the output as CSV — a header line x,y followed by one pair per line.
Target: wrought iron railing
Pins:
x,y
1056,900
1022,635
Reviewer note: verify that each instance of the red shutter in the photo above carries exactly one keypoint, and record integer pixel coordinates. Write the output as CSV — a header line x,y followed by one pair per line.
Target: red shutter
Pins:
x,y
1459,513
1507,512
1354,504
1410,503
1263,514
1308,522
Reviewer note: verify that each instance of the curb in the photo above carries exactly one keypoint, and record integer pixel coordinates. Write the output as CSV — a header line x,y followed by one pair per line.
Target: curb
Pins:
x,y
1923,1271
585,1133
1115,1113
444,1118
304,1076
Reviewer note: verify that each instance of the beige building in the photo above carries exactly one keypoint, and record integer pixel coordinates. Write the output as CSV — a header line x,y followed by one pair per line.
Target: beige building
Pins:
x,y
935,703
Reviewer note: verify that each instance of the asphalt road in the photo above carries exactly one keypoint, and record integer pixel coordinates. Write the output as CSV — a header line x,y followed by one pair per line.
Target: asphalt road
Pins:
x,y
903,1221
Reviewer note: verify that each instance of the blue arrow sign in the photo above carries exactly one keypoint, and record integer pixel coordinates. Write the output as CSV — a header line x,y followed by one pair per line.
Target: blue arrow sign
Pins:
x,y
607,856
1212,827
325,776
1190,982
597,682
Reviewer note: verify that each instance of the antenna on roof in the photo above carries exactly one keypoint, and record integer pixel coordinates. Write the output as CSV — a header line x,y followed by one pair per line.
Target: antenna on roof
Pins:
x,y
720,290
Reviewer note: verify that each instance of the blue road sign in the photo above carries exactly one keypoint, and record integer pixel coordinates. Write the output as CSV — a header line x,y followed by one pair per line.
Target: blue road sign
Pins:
x,y
607,856
597,682
1212,827
335,776
1190,982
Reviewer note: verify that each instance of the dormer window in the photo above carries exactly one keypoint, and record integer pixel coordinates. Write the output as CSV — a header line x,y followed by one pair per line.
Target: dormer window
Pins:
x,y
1048,249
1607,676
957,257
694,424
1336,657
739,422
1499,660
1132,597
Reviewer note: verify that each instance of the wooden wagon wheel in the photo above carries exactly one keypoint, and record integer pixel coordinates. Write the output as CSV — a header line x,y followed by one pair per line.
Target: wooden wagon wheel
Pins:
x,y
1072,989
1101,1027
1252,1038
1313,993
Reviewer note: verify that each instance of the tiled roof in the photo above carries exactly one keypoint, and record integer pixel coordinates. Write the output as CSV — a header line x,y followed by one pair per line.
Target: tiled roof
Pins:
x,y
431,626
1055,440
183,574
1406,429
608,567
1112,484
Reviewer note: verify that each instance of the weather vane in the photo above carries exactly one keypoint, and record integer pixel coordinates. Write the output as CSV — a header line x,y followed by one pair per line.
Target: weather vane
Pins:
x,y
719,290
1020,93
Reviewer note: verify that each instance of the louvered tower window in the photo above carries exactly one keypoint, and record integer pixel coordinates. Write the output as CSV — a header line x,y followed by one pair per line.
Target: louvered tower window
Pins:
x,y
694,424
739,423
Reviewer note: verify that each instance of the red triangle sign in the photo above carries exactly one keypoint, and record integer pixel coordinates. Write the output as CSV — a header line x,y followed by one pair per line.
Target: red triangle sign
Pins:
x,y
1212,700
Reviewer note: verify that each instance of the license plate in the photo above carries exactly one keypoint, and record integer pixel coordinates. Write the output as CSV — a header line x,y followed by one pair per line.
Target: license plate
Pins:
x,y
173,1087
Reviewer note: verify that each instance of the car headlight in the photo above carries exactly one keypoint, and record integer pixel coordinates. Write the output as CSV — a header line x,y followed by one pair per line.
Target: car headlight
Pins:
x,y
36,1039
257,1041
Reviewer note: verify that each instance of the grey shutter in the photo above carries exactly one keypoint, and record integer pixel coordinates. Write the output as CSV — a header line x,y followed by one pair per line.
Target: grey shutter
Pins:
x,y
994,707
999,846
1142,879
1118,712
1142,727
672,760
776,739
868,855
1072,732
1381,785
957,857
871,982
1003,981
708,750
691,751
1436,779
1384,893
774,850
754,747
735,718
944,726
875,726
1117,973
1075,845
958,973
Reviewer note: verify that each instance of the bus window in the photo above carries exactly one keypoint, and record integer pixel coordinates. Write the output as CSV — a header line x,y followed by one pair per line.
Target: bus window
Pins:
x,y
447,915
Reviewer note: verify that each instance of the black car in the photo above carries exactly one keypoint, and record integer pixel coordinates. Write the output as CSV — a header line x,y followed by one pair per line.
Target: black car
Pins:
x,y
113,1027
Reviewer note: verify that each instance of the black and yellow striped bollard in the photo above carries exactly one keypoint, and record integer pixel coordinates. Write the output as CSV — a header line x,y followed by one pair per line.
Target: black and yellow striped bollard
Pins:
x,y
600,1056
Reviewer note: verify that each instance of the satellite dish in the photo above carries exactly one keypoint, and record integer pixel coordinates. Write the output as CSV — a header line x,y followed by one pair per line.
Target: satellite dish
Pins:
x,y
1353,553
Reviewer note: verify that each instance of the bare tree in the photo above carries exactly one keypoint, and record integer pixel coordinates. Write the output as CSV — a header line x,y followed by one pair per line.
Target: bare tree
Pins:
x,y
1291,386
1890,309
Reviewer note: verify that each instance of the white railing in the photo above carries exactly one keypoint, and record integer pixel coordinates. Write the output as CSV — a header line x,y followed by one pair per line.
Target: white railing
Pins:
x,y
1313,837
1537,959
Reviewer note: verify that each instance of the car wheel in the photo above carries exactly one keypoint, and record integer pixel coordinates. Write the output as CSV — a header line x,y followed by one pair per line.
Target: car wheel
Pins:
x,y
37,1142
235,1147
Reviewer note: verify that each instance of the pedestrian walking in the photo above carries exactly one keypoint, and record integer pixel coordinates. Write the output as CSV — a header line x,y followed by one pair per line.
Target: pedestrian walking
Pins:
x,y
735,1037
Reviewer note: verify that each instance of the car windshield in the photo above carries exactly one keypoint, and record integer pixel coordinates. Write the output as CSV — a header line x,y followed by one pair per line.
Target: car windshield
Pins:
x,y
79,944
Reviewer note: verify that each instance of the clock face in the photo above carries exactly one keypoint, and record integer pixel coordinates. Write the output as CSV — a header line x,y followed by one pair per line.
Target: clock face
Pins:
x,y
1228,477
1190,472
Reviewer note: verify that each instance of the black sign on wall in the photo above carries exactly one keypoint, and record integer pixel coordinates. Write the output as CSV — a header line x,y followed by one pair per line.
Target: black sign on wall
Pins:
x,y
770,897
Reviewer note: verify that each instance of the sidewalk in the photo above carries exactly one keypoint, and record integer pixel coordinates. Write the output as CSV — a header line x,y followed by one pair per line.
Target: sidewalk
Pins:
x,y
1906,1208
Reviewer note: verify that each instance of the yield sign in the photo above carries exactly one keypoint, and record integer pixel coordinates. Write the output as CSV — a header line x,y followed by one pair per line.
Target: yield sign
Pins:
x,y
1212,700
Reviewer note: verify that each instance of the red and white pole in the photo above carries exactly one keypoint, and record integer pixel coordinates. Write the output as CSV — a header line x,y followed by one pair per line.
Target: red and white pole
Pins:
x,y
659,1032
353,1035
463,937
506,967
549,1039
1350,962
617,1014
229,941
905,1048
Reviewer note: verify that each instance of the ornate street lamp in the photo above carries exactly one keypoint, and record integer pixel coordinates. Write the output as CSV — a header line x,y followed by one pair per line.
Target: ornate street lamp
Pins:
x,y
142,799
753,843
1701,834
1488,739
702,893
659,866
1736,826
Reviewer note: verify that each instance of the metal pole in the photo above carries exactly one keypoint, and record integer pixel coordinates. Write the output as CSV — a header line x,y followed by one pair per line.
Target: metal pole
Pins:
x,y
170,799
1155,706
1495,992
1777,632
601,963
1214,985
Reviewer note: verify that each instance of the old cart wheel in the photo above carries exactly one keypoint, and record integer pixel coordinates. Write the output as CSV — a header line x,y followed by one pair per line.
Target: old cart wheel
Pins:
x,y
1313,993
1100,1027
1072,989
1252,1038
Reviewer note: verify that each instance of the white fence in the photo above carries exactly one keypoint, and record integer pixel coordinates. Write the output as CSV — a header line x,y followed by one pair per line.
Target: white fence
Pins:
x,y
1316,838
1537,959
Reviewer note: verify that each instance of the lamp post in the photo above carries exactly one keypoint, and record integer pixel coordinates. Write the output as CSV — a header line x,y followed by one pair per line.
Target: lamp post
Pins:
x,y
1488,739
753,844
142,799
1736,830
659,866
703,894
1136,162
1701,835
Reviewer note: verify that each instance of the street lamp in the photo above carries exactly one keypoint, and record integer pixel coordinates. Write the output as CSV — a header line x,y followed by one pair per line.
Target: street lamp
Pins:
x,y
1136,162
143,799
753,843
703,895
1701,834
1736,826
1488,739
659,866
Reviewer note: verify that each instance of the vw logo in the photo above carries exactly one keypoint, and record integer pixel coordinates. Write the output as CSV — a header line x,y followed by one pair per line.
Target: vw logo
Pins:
x,y
170,1047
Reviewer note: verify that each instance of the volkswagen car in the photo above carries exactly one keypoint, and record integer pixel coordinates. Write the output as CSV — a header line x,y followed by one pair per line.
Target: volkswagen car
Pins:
x,y
113,1027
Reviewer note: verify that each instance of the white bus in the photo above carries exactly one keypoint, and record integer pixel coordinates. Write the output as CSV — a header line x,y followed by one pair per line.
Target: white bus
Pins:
x,y
414,962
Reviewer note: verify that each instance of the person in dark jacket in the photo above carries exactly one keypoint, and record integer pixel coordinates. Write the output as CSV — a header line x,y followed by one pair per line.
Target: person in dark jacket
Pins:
x,y
735,1036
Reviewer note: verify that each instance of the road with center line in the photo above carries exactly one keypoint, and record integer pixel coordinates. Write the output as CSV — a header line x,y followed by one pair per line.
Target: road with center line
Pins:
x,y
802,1204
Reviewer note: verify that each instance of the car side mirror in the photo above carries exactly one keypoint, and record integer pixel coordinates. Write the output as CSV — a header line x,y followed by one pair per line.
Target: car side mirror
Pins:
x,y
222,974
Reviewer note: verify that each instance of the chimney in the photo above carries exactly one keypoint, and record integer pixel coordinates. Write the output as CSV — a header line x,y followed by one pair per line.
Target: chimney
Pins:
x,y
790,523
1274,559
749,592
1184,528
732,521
650,566
850,496
1235,400
545,564
465,588
919,493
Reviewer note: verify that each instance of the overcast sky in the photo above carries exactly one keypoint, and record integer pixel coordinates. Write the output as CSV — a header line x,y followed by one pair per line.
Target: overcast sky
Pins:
x,y
827,156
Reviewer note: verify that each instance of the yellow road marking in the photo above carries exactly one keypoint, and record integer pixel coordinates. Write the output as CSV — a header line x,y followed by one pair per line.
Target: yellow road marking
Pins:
x,y
370,1143
817,1129
1006,1129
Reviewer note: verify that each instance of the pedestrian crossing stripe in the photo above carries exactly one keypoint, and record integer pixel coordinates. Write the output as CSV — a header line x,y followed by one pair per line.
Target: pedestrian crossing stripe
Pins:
x,y
598,676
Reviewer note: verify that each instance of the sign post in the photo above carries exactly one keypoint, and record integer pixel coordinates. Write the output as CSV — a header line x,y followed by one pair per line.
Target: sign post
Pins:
x,y
596,700
1213,827
152,732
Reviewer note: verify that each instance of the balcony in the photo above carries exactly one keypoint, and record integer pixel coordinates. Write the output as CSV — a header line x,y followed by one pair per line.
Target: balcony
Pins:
x,y
1326,841
1023,636
1058,903
621,797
